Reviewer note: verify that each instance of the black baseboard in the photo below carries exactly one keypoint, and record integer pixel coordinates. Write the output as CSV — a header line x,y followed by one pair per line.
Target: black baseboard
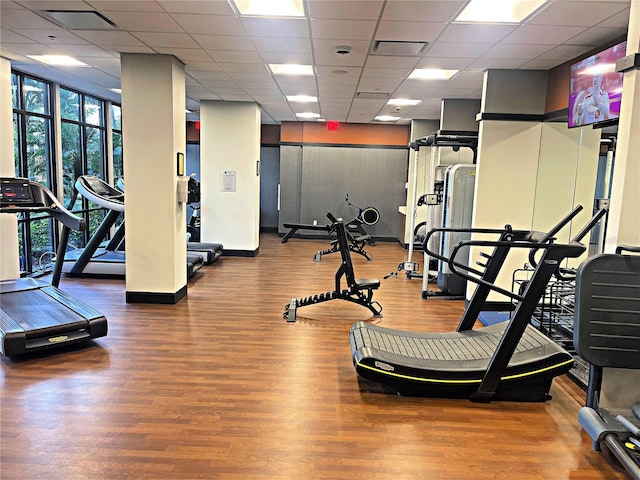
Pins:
x,y
241,253
268,229
157,298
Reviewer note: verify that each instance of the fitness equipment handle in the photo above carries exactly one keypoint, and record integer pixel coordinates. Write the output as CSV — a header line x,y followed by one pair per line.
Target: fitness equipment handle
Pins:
x,y
454,266
626,248
551,233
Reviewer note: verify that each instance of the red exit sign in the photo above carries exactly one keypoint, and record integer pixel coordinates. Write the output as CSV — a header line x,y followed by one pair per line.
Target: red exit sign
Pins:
x,y
333,125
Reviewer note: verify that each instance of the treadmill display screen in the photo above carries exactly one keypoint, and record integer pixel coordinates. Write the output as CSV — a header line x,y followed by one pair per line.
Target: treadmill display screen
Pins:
x,y
97,186
15,192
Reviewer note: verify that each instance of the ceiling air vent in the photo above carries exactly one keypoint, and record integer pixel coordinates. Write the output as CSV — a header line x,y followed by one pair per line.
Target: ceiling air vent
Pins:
x,y
398,48
80,19
372,95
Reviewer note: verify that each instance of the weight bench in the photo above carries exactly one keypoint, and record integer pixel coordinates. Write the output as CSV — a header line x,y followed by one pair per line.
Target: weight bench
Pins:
x,y
303,226
607,334
358,290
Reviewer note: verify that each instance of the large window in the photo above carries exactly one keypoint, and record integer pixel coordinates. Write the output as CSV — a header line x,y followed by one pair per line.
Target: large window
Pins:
x,y
83,134
83,142
32,132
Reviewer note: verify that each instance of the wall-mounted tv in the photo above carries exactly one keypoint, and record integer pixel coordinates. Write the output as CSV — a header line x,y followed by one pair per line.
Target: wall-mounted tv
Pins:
x,y
596,88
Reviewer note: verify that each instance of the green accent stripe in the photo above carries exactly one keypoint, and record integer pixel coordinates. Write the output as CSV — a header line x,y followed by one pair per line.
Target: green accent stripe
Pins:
x,y
438,380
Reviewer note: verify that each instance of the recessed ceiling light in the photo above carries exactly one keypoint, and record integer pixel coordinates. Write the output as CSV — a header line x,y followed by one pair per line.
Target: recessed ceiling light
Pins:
x,y
403,102
270,8
291,69
58,60
505,11
116,90
308,115
432,74
387,118
302,98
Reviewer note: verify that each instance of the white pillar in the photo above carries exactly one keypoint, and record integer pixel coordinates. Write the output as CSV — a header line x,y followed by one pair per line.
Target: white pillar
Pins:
x,y
621,388
624,216
154,132
229,174
10,265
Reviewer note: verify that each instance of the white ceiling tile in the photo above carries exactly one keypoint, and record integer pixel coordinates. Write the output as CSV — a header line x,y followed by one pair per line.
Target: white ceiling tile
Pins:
x,y
384,61
109,37
263,79
462,50
510,50
50,36
576,13
431,11
271,27
543,34
81,51
385,72
118,49
562,52
54,4
8,36
325,52
538,64
447,63
225,42
230,56
331,92
185,54
337,71
14,19
258,68
208,24
409,31
596,36
283,45
198,7
295,58
502,63
619,20
371,84
126,6
340,9
145,21
220,84
177,40
207,75
343,29
203,67
466,33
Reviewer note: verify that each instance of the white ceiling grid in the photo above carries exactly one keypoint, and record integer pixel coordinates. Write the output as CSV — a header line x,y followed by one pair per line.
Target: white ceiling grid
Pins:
x,y
226,55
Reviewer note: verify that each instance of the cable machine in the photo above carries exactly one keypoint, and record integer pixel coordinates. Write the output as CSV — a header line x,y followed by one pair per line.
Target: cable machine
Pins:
x,y
455,140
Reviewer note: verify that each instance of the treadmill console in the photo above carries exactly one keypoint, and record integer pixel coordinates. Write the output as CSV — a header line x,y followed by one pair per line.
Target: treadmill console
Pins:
x,y
16,192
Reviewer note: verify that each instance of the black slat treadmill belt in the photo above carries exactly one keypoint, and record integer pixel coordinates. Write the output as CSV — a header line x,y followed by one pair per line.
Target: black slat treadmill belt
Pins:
x,y
463,346
36,311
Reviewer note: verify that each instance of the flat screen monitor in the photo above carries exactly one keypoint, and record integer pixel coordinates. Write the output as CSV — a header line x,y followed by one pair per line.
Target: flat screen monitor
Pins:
x,y
595,91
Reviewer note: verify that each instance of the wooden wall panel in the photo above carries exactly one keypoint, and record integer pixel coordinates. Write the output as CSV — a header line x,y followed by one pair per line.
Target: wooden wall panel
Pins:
x,y
347,134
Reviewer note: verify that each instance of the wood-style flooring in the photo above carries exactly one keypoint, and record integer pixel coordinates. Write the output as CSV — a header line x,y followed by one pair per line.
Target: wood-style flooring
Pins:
x,y
219,386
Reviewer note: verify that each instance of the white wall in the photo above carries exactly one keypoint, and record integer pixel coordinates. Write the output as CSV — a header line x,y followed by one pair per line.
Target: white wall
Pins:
x,y
230,142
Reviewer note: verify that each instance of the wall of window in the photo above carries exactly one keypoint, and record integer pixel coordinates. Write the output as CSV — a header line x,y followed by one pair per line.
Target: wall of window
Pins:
x,y
86,122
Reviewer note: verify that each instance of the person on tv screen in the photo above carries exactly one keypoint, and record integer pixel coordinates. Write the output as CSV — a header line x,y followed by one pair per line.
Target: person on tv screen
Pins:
x,y
592,105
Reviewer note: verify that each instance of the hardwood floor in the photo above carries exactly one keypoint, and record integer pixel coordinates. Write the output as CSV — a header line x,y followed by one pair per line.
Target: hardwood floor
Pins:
x,y
219,386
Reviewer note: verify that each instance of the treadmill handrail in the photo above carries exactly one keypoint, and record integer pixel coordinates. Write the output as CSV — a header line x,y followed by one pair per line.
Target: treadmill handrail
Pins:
x,y
47,202
106,202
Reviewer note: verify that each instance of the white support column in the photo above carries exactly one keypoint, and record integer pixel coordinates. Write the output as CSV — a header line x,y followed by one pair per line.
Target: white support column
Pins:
x,y
154,132
10,265
621,388
229,174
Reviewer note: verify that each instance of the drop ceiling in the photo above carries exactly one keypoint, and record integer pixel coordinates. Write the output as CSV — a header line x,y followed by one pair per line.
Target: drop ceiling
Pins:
x,y
226,56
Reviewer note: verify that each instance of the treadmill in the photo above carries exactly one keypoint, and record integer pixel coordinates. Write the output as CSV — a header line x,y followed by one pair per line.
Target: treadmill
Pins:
x,y
107,260
511,360
36,315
